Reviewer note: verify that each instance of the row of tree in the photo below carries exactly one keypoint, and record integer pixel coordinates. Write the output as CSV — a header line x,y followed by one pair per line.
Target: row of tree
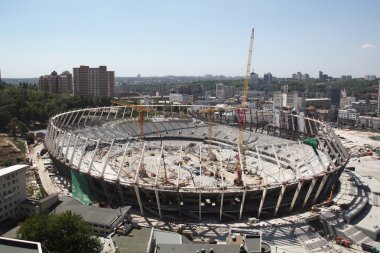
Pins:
x,y
65,232
21,106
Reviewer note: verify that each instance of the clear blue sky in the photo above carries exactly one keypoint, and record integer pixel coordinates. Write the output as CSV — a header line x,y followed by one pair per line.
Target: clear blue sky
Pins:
x,y
197,37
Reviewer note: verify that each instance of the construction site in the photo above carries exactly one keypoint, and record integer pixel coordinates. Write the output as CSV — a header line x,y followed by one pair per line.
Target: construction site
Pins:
x,y
187,161
192,162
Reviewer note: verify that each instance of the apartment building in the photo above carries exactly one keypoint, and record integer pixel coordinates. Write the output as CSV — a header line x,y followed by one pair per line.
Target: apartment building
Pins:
x,y
55,83
94,82
12,190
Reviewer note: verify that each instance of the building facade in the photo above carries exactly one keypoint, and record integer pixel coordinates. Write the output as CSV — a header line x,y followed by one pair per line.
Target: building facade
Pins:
x,y
55,83
12,190
94,82
224,91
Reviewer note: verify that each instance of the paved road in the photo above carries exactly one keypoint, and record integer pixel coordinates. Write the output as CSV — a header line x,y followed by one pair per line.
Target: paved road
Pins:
x,y
47,184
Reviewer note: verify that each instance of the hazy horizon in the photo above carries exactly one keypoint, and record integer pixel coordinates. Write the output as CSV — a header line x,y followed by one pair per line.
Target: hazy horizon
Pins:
x,y
190,38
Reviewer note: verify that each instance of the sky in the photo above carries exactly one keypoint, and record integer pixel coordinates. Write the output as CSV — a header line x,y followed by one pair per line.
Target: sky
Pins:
x,y
197,37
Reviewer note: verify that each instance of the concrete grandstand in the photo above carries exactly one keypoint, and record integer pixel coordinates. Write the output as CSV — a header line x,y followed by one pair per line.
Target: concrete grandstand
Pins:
x,y
175,161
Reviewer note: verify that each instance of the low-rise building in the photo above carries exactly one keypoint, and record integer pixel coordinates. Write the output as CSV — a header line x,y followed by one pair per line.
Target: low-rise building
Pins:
x,y
8,245
348,114
12,190
102,220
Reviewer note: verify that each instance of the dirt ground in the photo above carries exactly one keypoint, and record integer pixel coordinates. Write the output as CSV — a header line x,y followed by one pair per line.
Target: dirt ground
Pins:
x,y
12,151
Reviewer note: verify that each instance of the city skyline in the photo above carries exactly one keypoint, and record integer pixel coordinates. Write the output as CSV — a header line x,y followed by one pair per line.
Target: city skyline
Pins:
x,y
190,39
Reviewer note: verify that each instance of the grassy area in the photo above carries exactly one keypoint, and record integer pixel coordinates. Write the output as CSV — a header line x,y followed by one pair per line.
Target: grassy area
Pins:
x,y
20,144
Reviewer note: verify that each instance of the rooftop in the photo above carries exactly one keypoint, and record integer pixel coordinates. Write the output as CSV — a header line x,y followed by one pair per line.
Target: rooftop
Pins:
x,y
8,245
91,214
137,241
11,169
192,248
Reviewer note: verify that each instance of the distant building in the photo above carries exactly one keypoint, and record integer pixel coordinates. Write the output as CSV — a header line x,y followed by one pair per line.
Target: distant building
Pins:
x,y
349,114
12,190
94,82
345,101
319,103
268,79
347,77
196,90
254,81
305,77
288,99
364,107
322,77
55,83
370,77
369,122
224,91
334,94
180,98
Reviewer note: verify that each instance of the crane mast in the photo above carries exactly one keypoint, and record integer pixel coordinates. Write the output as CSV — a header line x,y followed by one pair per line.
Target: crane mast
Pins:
x,y
241,111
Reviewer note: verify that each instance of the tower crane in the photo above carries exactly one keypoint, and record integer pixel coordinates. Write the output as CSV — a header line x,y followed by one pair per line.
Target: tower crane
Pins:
x,y
241,112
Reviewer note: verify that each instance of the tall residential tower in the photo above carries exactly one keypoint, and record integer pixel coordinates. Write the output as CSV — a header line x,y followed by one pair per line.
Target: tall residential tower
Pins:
x,y
94,82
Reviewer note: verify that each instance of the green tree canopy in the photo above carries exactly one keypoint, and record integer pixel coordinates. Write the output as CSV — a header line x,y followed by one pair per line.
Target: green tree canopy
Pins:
x,y
66,232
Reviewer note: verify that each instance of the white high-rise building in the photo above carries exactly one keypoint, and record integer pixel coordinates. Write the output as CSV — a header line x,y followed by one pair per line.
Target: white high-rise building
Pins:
x,y
12,190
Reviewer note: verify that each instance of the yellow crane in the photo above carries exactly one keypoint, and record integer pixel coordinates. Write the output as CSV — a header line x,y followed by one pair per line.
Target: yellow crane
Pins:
x,y
241,111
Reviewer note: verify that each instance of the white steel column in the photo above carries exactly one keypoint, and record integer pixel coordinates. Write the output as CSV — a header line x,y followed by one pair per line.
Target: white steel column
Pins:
x,y
81,116
75,118
109,112
68,121
108,156
311,129
294,127
222,197
67,149
158,202
283,188
139,199
88,115
62,122
325,176
159,165
59,144
200,207
262,202
125,108
221,206
311,187
93,157
101,113
140,164
117,111
242,204
62,154
82,155
299,186
122,162
75,148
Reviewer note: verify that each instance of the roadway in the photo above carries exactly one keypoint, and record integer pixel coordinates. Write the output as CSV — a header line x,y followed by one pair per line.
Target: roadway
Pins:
x,y
47,184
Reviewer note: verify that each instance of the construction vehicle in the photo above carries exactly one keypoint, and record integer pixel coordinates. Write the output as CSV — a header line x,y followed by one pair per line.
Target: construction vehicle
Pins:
x,y
343,242
369,248
241,115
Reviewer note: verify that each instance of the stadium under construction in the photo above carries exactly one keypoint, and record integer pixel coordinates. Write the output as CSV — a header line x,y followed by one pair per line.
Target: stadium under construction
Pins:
x,y
197,162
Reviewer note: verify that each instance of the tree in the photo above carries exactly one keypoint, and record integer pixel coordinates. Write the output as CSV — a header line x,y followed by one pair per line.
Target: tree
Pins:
x,y
15,126
65,232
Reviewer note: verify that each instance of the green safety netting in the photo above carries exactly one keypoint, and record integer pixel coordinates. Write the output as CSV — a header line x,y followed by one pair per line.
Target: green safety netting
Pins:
x,y
313,142
80,189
